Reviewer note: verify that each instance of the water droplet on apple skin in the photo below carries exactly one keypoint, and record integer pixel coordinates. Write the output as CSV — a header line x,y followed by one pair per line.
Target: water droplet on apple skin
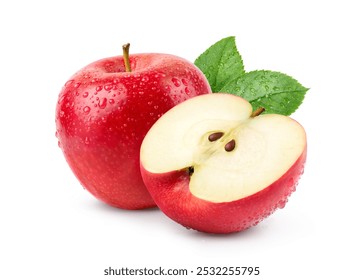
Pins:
x,y
108,87
61,98
145,79
86,109
185,82
176,82
282,203
68,83
102,103
167,89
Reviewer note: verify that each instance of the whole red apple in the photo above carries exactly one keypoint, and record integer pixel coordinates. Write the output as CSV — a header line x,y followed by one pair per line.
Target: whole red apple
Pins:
x,y
224,168
104,112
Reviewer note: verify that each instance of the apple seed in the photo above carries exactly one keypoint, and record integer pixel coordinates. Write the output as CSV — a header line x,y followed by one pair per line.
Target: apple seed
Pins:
x,y
215,136
230,146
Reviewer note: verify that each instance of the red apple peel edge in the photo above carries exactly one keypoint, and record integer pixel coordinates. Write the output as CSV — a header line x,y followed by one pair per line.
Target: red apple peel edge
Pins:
x,y
225,217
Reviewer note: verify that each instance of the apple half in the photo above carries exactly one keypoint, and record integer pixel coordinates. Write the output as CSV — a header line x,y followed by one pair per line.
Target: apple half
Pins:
x,y
211,165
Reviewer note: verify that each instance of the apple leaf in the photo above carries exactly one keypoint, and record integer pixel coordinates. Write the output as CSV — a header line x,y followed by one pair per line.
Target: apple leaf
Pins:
x,y
278,93
223,67
221,63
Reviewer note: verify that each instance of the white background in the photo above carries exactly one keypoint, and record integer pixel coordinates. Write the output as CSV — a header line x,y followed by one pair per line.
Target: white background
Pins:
x,y
52,229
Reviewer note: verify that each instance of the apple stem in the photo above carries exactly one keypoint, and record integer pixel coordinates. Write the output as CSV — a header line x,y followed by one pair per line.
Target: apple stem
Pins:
x,y
126,57
257,112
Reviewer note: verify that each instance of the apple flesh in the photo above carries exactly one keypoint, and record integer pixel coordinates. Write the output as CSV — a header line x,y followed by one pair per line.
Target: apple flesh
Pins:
x,y
212,166
104,112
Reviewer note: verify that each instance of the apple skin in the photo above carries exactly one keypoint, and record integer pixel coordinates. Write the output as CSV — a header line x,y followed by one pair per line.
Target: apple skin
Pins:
x,y
103,114
227,217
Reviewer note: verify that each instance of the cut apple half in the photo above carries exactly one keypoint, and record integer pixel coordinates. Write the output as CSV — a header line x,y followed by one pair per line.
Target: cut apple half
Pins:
x,y
213,151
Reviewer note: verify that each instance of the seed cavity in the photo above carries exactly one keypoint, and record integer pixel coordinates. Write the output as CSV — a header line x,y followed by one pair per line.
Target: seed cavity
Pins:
x,y
215,136
230,145
191,170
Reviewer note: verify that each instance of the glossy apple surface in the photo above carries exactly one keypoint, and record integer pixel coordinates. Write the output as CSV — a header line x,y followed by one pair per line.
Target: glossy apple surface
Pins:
x,y
104,112
211,166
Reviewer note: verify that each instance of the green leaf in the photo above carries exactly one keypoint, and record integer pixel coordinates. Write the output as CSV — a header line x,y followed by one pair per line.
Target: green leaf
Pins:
x,y
221,63
278,93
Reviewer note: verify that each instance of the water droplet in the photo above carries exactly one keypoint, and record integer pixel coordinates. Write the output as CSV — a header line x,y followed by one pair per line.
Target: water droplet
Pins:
x,y
187,90
68,83
266,87
98,88
275,88
176,82
86,109
87,141
156,107
76,85
102,103
59,144
108,87
145,79
103,119
116,80
184,81
281,204
61,114
61,99
253,90
111,101
168,89
85,94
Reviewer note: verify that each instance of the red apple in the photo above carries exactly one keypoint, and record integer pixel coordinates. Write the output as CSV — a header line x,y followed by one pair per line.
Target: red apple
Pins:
x,y
104,112
213,165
